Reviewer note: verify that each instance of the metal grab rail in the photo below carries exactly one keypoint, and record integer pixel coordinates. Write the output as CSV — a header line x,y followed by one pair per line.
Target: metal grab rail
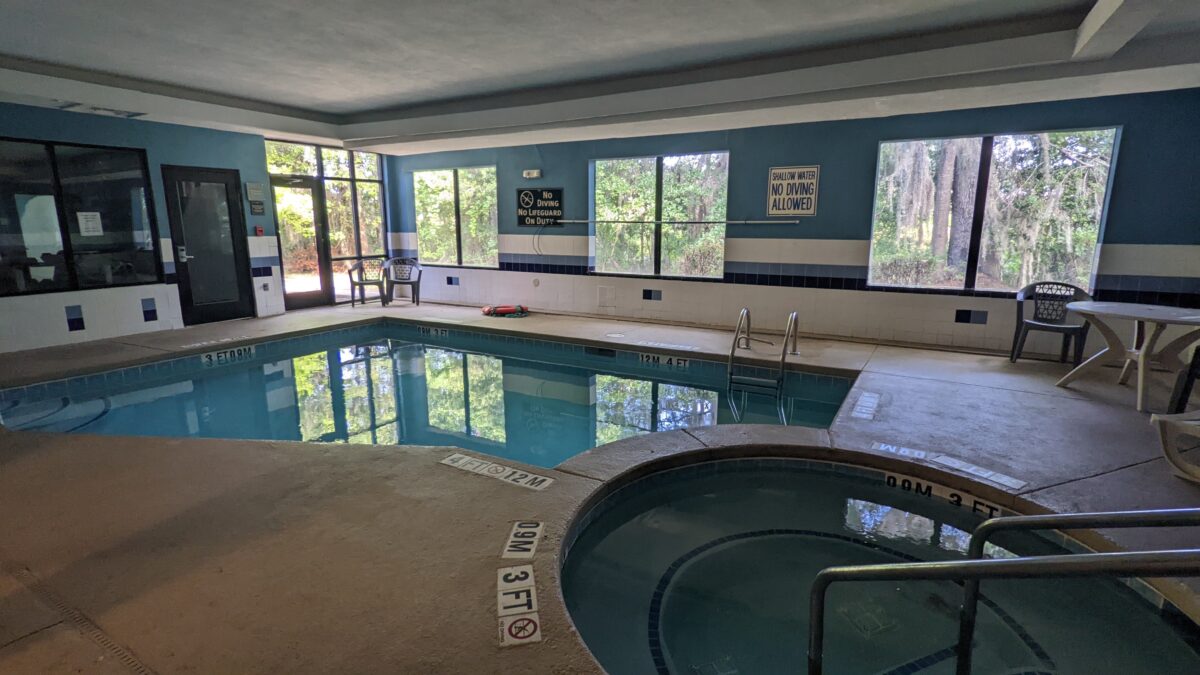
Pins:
x,y
742,338
1184,562
790,332
1118,519
738,340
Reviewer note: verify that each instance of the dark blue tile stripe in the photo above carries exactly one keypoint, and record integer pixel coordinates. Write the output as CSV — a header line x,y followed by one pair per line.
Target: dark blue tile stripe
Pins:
x,y
1171,291
543,268
539,259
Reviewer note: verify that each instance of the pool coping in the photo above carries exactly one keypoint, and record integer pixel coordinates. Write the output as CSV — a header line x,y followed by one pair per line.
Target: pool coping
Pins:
x,y
69,370
1174,601
612,465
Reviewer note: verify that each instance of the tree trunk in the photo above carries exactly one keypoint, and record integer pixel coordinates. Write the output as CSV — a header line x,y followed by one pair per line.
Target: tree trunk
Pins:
x,y
941,199
962,202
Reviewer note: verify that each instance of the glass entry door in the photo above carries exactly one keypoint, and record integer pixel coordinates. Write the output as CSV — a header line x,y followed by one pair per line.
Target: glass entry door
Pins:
x,y
307,278
208,229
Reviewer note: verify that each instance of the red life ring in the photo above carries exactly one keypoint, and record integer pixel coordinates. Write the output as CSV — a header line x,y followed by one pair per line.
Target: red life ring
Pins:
x,y
505,310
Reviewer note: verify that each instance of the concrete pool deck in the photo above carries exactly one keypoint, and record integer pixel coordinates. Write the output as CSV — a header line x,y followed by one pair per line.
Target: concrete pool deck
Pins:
x,y
122,554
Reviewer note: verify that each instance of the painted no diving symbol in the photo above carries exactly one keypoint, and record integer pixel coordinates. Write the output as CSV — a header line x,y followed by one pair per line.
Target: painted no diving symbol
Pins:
x,y
522,629
526,199
495,470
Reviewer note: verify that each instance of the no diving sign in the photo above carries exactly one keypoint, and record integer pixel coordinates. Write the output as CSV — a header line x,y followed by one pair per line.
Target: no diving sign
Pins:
x,y
520,629
539,207
792,190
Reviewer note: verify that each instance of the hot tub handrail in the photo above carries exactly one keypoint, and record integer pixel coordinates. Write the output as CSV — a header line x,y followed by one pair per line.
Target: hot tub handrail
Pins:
x,y
1050,521
1183,562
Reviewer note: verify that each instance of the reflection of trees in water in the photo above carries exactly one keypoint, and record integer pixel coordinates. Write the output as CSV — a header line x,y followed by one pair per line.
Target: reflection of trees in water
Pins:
x,y
465,393
627,407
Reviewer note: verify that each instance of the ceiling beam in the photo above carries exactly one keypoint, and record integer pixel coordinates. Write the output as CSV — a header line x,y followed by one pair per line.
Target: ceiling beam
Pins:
x,y
19,86
686,99
1172,63
1112,24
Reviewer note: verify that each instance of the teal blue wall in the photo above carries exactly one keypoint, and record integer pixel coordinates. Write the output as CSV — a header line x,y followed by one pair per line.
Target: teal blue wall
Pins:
x,y
1154,197
163,143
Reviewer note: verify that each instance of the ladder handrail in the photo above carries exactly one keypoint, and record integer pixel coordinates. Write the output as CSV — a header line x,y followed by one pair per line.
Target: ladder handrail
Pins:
x,y
789,332
1071,521
1182,562
968,572
743,318
979,538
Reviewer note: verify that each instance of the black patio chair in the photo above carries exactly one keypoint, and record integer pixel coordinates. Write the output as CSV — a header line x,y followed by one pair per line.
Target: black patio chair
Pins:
x,y
1184,384
367,272
403,272
1050,300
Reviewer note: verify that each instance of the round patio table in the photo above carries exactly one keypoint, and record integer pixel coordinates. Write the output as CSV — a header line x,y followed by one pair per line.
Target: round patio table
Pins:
x,y
1142,353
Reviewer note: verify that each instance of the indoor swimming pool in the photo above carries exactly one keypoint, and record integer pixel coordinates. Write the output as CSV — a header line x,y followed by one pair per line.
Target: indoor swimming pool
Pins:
x,y
532,401
706,570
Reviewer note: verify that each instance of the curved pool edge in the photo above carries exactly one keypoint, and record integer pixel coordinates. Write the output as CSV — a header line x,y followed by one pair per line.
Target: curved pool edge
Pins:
x,y
618,464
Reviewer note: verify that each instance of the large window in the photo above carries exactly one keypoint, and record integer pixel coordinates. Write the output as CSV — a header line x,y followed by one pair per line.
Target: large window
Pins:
x,y
351,196
992,213
74,217
661,215
457,217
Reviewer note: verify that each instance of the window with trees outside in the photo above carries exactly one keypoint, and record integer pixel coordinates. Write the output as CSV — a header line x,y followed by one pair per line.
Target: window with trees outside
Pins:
x,y
992,213
350,193
456,216
686,194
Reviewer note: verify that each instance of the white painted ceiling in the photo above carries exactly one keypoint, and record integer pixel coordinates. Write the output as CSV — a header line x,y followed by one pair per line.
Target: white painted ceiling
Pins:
x,y
408,76
349,56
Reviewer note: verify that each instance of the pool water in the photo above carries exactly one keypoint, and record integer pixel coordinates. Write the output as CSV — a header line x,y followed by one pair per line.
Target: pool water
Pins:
x,y
533,401
706,570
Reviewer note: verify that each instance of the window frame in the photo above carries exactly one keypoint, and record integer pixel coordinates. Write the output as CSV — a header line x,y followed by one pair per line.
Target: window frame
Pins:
x,y
323,204
353,179
458,248
64,225
979,215
658,210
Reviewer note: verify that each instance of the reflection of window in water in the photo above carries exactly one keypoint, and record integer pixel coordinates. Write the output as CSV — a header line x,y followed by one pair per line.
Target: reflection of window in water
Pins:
x,y
313,395
623,408
867,517
465,393
626,407
887,521
347,395
485,395
954,539
683,407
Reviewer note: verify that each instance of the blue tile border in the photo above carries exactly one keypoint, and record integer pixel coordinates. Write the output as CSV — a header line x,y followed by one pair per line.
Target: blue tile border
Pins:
x,y
818,387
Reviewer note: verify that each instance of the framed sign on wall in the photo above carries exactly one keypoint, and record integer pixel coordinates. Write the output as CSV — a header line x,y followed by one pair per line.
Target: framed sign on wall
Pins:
x,y
792,190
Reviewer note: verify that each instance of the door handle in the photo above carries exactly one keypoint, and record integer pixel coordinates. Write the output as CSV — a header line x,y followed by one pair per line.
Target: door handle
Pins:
x,y
181,254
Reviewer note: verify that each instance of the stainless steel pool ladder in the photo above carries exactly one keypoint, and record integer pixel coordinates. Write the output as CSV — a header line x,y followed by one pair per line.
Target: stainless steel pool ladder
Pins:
x,y
1183,562
741,340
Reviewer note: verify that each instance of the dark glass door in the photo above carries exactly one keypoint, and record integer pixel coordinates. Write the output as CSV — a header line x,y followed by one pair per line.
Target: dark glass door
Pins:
x,y
212,260
303,242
